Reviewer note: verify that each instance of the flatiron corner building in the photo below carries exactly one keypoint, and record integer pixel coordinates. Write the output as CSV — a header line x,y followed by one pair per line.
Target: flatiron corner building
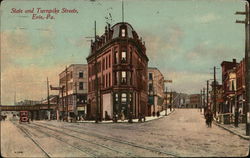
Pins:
x,y
122,73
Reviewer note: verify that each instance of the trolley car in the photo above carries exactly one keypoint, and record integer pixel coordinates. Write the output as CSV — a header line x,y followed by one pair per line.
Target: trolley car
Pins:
x,y
24,116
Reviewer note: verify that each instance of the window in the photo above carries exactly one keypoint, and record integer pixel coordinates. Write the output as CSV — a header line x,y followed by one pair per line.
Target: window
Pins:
x,y
124,57
109,80
116,57
109,62
150,87
80,85
116,97
71,74
150,76
124,77
124,98
106,62
116,78
123,32
80,74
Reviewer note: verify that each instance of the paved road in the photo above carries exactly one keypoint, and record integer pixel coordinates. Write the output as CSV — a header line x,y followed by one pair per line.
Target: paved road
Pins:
x,y
183,133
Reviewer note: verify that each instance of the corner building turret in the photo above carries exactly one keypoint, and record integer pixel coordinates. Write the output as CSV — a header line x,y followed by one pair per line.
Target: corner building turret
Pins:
x,y
122,73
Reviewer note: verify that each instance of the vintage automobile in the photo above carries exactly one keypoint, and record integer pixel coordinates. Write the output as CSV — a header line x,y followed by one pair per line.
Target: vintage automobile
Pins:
x,y
24,116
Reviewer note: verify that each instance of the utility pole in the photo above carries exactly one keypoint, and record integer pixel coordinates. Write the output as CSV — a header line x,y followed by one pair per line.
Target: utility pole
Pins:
x,y
48,98
214,89
67,103
201,106
207,92
205,107
247,58
166,112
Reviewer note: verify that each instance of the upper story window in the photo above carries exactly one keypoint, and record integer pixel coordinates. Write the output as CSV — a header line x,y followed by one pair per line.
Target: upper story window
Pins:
x,y
124,77
150,76
116,58
80,85
123,32
124,57
80,74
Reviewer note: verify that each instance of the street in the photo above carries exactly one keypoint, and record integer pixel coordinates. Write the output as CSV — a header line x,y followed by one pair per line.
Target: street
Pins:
x,y
182,133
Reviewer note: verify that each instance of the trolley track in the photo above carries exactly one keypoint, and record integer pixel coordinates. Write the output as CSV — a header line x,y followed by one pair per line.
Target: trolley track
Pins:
x,y
166,153
37,127
25,131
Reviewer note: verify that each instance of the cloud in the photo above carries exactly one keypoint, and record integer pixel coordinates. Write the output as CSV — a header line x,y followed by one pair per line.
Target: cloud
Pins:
x,y
28,82
185,81
165,45
17,45
207,18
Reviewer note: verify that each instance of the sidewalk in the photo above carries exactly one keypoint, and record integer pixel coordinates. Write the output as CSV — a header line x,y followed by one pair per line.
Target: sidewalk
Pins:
x,y
148,118
240,131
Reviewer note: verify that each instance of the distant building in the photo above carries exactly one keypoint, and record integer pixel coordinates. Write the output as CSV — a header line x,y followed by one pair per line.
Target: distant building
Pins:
x,y
75,87
53,99
155,90
28,102
194,100
120,56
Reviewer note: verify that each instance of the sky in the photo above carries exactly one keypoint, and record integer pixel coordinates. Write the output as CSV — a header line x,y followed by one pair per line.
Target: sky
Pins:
x,y
184,39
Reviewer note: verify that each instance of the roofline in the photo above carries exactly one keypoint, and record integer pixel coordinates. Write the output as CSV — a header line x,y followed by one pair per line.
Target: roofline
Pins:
x,y
71,65
122,23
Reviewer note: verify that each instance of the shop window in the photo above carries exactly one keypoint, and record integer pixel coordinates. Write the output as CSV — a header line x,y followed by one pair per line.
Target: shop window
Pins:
x,y
116,97
124,98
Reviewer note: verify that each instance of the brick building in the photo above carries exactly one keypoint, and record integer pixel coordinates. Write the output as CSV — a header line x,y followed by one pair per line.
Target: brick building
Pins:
x,y
229,85
119,56
155,90
241,86
75,87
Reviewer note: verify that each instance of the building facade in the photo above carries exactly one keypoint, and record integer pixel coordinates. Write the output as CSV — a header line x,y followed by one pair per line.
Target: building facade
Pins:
x,y
117,66
155,90
229,85
194,100
73,96
241,86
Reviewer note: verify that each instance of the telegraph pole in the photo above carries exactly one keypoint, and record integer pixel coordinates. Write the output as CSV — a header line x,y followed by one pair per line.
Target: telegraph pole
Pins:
x,y
201,106
247,59
214,89
48,98
67,103
205,107
207,92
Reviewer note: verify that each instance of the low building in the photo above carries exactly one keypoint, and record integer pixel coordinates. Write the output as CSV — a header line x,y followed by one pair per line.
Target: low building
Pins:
x,y
194,100
73,97
155,90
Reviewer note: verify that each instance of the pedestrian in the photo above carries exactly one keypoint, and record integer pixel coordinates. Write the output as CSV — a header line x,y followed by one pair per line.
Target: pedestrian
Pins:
x,y
130,117
210,119
158,114
140,118
122,116
153,113
207,118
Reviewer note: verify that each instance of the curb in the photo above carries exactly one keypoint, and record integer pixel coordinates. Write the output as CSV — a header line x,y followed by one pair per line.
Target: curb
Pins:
x,y
241,136
157,118
161,117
